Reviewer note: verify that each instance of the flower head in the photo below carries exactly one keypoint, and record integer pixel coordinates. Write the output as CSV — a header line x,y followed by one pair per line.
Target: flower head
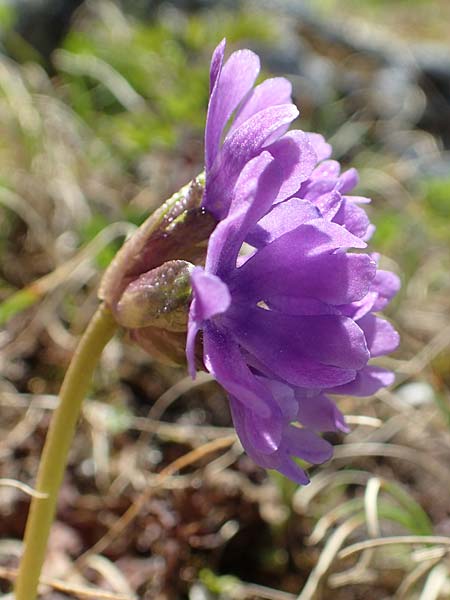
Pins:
x,y
262,116
291,319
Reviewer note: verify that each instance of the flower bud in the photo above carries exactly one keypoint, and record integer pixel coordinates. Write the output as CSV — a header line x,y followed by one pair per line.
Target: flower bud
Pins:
x,y
158,298
164,346
147,285
179,229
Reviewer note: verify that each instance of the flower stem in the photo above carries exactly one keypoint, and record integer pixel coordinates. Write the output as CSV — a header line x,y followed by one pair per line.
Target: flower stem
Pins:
x,y
56,448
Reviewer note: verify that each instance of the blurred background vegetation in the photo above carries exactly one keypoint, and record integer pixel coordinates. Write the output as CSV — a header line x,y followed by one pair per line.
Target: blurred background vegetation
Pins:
x,y
102,109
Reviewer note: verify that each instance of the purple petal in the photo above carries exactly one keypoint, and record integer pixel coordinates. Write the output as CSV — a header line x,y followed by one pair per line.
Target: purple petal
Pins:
x,y
258,184
303,350
306,445
356,310
386,285
285,398
285,269
263,434
239,147
296,159
366,383
223,359
353,218
291,470
270,92
321,147
328,169
338,236
283,217
211,295
309,239
369,233
216,64
294,442
291,305
231,84
319,413
381,337
313,189
326,178
258,436
348,180
329,204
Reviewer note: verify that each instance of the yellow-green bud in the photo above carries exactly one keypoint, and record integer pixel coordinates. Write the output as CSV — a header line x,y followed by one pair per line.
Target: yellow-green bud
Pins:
x,y
158,298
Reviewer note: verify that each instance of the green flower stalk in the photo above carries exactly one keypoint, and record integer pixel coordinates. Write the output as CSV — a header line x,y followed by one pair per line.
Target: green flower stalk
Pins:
x,y
56,449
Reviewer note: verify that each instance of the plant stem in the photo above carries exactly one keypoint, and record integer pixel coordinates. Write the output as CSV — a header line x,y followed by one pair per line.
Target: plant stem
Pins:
x,y
56,448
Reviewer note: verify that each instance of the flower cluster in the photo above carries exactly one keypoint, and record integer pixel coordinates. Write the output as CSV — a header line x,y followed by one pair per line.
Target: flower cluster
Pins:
x,y
286,310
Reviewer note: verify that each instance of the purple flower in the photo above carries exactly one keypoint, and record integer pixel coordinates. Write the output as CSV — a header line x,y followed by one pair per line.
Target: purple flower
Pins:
x,y
286,310
262,115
